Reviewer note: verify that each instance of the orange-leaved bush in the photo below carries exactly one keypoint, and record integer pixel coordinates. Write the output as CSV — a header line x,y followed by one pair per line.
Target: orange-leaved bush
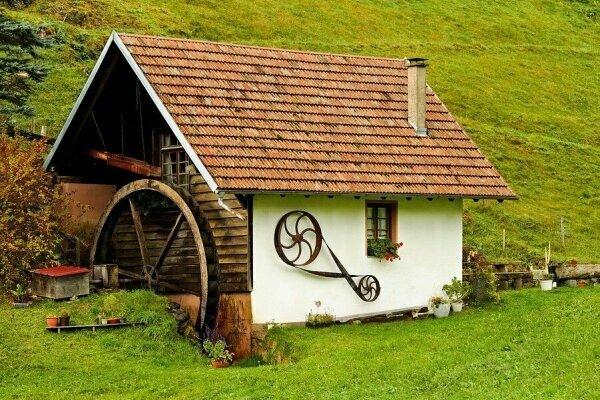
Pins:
x,y
30,211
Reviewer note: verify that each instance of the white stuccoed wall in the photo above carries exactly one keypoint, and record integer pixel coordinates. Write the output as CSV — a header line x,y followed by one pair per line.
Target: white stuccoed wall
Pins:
x,y
431,256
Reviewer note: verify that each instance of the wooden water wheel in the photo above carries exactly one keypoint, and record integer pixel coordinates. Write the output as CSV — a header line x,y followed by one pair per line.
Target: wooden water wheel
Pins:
x,y
158,236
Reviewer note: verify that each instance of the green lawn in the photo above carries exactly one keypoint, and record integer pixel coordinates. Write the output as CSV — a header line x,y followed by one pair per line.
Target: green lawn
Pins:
x,y
533,345
522,77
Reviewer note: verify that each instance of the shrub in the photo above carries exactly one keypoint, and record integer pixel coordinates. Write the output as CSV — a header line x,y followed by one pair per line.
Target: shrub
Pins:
x,y
317,320
29,211
484,285
215,346
457,290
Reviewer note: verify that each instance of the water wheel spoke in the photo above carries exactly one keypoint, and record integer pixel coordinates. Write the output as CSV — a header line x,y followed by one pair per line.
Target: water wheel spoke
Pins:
x,y
176,288
139,230
132,275
168,243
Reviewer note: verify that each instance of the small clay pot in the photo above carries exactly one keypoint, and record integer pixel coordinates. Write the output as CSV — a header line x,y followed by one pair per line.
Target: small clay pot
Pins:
x,y
64,321
52,322
114,320
219,364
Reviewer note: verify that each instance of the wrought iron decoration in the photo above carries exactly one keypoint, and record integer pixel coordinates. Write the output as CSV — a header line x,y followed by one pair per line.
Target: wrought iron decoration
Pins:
x,y
311,239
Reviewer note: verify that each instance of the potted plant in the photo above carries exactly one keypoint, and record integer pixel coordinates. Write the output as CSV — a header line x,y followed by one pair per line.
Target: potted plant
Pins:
x,y
215,347
20,297
441,306
383,249
457,290
64,318
546,281
52,321
111,308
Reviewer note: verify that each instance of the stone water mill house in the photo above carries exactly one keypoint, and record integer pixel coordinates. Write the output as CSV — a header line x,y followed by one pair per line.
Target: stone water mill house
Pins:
x,y
247,183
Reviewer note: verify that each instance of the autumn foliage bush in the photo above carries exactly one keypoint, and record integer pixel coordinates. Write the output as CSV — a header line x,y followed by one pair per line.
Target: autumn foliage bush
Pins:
x,y
30,211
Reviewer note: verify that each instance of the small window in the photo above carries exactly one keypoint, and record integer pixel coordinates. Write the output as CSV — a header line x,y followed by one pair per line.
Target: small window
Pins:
x,y
381,221
174,161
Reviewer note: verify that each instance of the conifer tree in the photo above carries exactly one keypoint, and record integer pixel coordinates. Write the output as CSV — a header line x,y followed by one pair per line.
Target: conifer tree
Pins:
x,y
20,66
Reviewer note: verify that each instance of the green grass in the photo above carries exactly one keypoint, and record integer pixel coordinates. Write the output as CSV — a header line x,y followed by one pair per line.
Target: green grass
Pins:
x,y
533,344
522,77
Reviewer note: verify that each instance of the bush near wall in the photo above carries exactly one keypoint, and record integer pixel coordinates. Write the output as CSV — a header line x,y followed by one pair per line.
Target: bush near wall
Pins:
x,y
29,211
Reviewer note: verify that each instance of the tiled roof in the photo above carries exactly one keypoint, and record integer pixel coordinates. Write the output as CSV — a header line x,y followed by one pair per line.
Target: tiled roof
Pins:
x,y
264,119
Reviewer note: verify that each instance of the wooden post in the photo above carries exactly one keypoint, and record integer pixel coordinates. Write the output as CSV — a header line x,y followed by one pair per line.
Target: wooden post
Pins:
x,y
562,231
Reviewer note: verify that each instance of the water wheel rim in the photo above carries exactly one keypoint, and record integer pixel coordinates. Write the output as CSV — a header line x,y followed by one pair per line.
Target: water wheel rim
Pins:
x,y
108,219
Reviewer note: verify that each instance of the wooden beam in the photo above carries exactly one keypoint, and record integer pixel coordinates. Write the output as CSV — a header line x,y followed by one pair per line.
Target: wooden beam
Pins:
x,y
139,230
168,243
133,165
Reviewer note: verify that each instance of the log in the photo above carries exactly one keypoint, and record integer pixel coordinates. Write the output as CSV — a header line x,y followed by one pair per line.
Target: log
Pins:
x,y
582,271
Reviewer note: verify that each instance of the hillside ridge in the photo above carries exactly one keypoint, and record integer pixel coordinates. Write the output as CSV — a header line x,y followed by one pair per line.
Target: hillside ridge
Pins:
x,y
521,78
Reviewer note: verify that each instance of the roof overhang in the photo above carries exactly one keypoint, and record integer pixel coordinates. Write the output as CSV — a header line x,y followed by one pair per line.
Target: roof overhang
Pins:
x,y
115,41
370,194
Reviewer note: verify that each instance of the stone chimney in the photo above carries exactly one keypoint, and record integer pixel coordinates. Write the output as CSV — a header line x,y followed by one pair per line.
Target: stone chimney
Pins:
x,y
417,94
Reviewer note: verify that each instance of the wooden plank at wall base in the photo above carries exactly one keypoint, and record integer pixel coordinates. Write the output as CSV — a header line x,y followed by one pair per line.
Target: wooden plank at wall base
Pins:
x,y
234,322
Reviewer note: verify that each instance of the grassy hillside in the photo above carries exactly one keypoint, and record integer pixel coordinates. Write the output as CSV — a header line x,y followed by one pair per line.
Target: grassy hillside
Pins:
x,y
522,77
533,345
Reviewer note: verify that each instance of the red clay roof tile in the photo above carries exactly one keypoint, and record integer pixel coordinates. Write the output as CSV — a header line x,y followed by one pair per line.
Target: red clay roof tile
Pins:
x,y
264,119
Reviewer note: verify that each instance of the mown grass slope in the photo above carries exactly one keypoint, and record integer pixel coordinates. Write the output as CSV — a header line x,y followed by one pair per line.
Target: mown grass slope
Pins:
x,y
533,345
522,77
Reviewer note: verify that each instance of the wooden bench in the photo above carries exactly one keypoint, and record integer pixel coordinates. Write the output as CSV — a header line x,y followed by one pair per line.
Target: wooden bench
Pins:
x,y
92,327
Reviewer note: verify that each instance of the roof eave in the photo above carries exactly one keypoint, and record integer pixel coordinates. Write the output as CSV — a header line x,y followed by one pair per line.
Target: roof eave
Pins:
x,y
294,192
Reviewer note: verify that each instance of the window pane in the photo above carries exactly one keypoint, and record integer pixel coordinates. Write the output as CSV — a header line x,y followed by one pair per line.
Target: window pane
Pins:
x,y
382,235
382,224
382,212
369,212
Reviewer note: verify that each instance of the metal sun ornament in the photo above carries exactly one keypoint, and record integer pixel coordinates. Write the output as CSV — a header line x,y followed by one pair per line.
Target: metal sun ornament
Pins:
x,y
300,246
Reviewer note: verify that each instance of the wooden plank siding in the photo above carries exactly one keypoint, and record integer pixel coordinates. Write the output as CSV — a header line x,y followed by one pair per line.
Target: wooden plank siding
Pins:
x,y
230,234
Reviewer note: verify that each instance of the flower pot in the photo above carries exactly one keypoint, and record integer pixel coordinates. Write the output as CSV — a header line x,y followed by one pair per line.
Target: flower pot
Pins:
x,y
52,322
113,320
441,311
457,307
64,321
219,364
546,284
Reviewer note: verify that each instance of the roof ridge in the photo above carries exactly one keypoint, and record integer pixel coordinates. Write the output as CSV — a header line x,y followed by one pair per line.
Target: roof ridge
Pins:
x,y
262,47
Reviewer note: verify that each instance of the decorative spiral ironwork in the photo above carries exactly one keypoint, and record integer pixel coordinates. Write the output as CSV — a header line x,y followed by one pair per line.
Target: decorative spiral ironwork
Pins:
x,y
369,288
306,235
298,239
